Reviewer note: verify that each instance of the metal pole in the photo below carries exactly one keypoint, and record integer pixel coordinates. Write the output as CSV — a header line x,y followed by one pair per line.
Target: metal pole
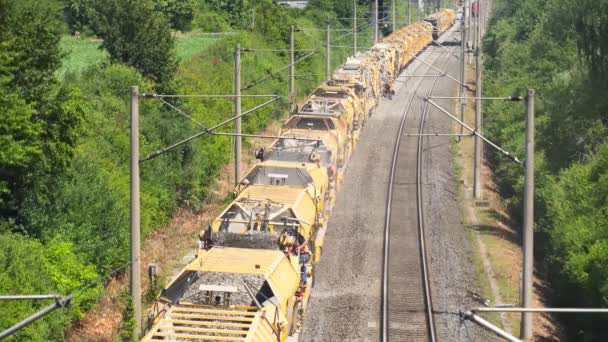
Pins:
x,y
409,13
30,297
547,310
135,214
327,54
462,72
394,18
237,114
292,71
469,42
253,16
482,322
59,303
354,27
528,263
477,164
375,19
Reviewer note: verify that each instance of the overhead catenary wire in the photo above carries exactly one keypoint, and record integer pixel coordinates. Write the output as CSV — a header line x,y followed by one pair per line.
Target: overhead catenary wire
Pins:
x,y
323,30
182,113
207,130
313,51
278,50
264,136
203,96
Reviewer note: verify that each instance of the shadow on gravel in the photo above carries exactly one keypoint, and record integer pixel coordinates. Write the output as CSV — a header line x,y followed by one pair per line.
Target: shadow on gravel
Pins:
x,y
435,146
491,230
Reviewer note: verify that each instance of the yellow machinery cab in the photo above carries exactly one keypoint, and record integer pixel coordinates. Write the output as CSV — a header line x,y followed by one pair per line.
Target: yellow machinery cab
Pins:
x,y
340,102
411,40
231,294
363,76
386,56
331,146
277,216
441,21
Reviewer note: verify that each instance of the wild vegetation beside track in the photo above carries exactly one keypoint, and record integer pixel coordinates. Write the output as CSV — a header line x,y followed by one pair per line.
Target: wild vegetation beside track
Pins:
x,y
497,254
557,47
64,199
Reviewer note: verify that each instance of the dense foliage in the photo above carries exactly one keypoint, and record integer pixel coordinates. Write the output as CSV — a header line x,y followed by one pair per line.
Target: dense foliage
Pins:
x,y
64,143
558,47
135,34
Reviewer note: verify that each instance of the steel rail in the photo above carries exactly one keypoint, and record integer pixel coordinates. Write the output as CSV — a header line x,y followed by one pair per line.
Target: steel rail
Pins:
x,y
387,223
421,224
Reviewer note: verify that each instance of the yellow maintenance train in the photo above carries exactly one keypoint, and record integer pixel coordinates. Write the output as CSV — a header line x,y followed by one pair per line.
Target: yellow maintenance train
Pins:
x,y
255,267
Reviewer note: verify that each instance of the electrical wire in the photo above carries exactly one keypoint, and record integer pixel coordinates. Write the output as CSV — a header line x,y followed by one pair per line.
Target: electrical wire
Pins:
x,y
273,74
182,113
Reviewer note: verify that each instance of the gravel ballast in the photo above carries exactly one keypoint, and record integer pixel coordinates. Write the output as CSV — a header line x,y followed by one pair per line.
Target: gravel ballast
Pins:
x,y
345,302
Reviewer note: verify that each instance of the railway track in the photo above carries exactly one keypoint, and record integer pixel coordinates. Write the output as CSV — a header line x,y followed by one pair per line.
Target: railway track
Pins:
x,y
406,294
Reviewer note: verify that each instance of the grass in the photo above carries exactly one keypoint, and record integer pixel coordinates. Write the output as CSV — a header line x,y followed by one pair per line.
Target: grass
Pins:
x,y
188,45
81,53
504,256
502,253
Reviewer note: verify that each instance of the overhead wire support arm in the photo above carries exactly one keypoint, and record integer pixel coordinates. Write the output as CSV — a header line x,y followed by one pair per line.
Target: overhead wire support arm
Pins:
x,y
30,297
437,69
475,132
182,112
505,98
60,302
472,315
279,50
207,130
488,325
210,96
320,30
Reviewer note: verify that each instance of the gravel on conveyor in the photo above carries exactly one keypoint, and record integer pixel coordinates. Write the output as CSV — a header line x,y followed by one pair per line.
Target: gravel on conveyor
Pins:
x,y
194,295
257,240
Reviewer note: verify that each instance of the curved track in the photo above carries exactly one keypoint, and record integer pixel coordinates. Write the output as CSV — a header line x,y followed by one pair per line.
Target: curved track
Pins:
x,y
346,304
406,293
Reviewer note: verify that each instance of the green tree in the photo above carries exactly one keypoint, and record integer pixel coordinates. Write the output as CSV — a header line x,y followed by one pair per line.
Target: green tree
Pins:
x,y
180,12
41,119
22,271
33,29
79,14
135,34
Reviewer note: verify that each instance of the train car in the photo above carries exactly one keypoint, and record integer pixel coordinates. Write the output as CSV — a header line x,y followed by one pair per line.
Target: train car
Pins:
x,y
252,276
285,215
336,99
231,294
386,57
333,143
361,74
411,40
441,21
314,173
